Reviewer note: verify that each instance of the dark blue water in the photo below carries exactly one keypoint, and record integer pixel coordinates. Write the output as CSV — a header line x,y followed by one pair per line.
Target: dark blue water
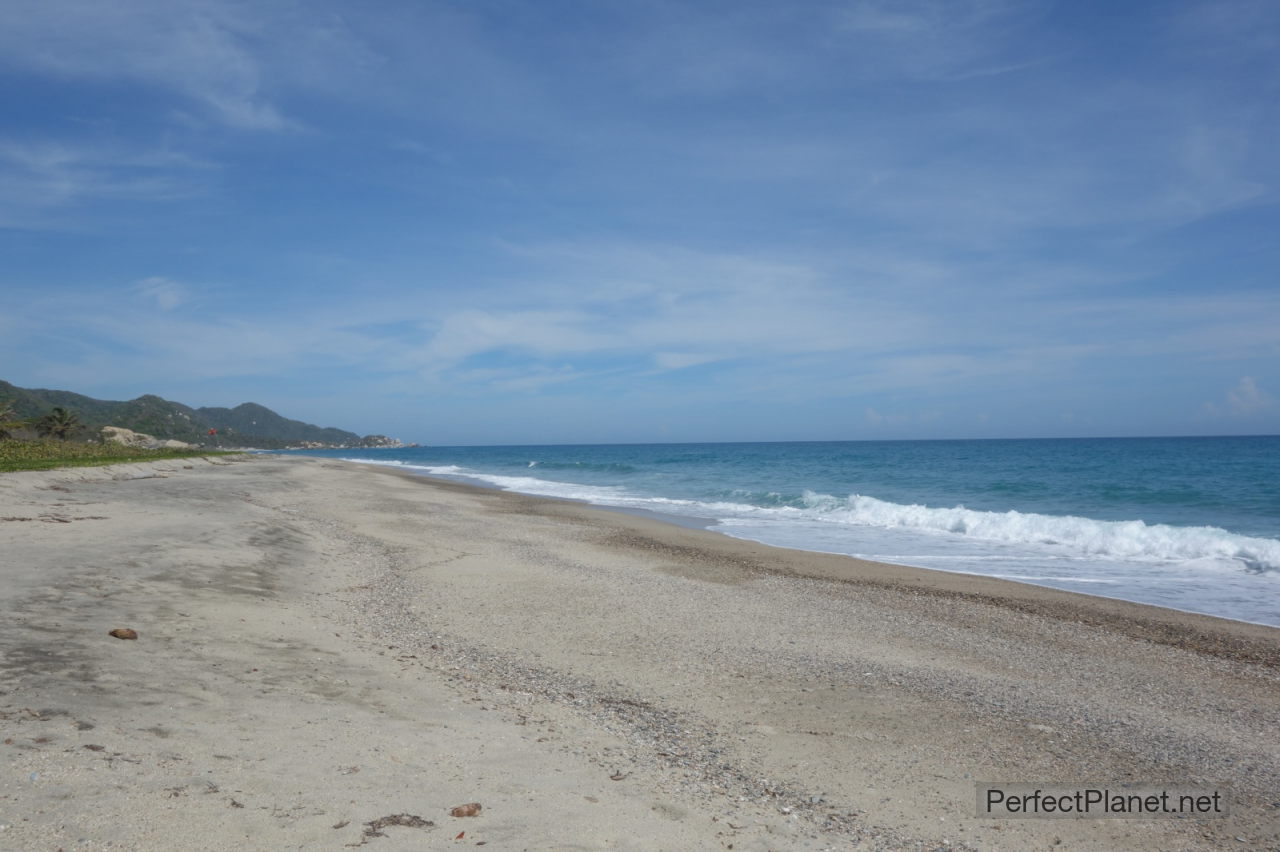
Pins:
x,y
1190,523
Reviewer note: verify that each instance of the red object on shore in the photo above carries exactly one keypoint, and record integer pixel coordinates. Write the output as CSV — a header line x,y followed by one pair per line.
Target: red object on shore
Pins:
x,y
213,431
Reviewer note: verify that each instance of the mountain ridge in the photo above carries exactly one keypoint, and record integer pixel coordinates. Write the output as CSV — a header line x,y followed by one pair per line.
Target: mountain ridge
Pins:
x,y
248,424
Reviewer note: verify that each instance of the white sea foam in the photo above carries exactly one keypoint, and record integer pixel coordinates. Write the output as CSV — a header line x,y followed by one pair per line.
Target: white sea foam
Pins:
x,y
1205,548
437,470
1136,540
605,494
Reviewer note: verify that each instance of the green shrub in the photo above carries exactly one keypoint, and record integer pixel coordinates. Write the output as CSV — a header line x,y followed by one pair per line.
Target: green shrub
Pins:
x,y
47,454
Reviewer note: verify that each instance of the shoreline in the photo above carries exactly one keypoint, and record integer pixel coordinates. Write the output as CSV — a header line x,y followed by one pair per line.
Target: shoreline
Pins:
x,y
1149,621
324,645
710,522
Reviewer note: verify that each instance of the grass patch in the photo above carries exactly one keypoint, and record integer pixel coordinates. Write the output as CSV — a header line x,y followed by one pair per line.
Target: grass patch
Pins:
x,y
46,455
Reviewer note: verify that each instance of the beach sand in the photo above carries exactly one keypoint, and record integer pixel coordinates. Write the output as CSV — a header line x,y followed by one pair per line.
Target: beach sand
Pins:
x,y
322,645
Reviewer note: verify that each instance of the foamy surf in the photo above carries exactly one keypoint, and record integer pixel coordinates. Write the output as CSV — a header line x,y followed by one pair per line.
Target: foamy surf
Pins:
x,y
1155,539
1070,535
1084,536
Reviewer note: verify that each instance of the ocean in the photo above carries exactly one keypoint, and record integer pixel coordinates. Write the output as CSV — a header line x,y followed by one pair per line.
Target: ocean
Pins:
x,y
1187,523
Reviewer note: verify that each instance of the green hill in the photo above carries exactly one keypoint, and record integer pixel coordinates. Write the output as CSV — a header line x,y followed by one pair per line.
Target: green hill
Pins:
x,y
249,424
252,419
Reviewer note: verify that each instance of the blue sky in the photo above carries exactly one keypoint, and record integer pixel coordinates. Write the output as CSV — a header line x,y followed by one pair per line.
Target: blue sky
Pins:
x,y
513,222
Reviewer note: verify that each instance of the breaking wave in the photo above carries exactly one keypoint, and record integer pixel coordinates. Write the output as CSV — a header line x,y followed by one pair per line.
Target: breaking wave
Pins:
x,y
1133,540
1084,536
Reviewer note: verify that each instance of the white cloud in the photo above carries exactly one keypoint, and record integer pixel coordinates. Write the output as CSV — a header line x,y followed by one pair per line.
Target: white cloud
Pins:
x,y
687,50
203,50
916,17
1247,398
669,298
539,333
97,339
936,39
38,179
868,322
526,380
165,293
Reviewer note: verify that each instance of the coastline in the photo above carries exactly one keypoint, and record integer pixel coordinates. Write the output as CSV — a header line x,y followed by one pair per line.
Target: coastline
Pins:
x,y
1164,625
303,618
928,505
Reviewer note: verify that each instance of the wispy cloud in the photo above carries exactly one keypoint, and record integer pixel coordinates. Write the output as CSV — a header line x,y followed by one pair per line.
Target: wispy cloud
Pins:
x,y
204,51
164,293
534,334
683,360
1245,400
938,39
39,179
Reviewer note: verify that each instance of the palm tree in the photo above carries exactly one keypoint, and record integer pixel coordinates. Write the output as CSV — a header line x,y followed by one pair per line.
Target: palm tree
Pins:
x,y
7,420
58,423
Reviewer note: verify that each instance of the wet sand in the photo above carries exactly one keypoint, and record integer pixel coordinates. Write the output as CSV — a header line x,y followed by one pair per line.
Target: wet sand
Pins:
x,y
324,644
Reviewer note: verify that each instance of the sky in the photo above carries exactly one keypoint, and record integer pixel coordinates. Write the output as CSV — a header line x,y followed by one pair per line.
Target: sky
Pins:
x,y
502,222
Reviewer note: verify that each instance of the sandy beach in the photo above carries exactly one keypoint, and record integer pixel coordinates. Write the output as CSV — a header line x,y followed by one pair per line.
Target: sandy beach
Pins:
x,y
333,655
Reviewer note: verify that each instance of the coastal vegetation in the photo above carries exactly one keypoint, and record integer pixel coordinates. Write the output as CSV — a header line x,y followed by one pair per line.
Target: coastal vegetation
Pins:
x,y
56,445
8,419
59,423
42,429
49,453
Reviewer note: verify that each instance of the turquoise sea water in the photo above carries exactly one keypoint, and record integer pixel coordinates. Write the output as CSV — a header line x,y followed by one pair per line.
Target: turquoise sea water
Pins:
x,y
1188,523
